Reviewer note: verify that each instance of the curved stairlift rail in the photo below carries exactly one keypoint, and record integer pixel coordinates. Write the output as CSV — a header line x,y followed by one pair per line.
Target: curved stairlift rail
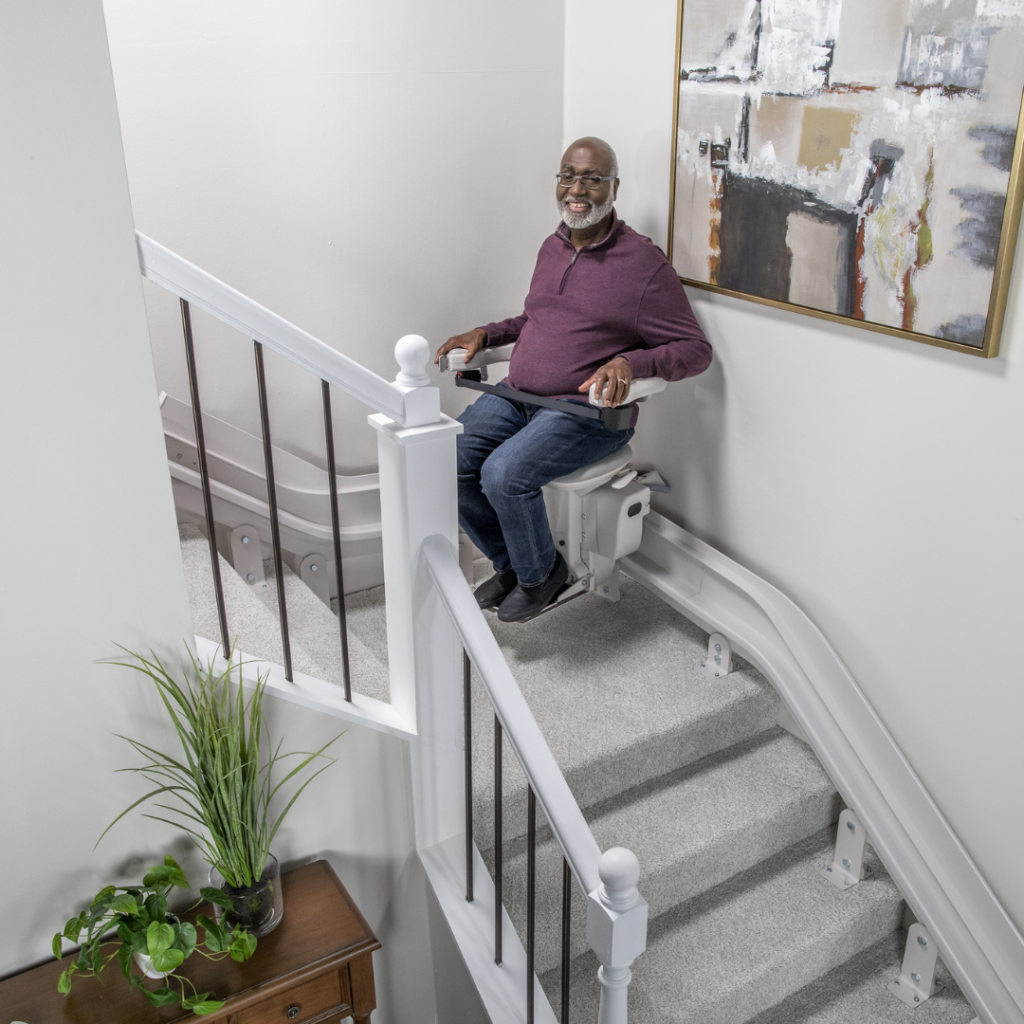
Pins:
x,y
977,940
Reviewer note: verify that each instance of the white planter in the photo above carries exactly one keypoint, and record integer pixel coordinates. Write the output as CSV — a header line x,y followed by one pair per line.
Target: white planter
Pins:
x,y
146,966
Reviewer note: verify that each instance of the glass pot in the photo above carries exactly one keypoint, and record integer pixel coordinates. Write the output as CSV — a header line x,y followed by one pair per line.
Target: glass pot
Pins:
x,y
258,908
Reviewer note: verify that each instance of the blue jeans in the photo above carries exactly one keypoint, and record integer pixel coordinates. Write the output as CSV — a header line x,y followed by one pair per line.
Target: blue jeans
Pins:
x,y
507,452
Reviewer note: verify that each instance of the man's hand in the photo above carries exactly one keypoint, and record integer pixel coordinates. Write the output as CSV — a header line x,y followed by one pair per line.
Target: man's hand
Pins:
x,y
472,341
616,375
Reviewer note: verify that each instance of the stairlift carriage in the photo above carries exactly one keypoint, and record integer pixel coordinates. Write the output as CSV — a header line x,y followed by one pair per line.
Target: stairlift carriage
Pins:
x,y
596,513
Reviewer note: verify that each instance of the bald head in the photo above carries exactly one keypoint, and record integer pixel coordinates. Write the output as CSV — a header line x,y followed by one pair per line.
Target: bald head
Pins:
x,y
600,154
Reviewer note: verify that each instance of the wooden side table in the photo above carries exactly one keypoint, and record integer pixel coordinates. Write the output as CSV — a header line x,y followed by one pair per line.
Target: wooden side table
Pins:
x,y
313,968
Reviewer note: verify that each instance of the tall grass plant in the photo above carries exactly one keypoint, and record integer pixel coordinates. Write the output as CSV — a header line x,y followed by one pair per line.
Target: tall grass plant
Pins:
x,y
222,785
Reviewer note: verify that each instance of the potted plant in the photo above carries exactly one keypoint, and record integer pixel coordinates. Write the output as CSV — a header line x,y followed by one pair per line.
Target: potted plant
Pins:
x,y
146,933
223,784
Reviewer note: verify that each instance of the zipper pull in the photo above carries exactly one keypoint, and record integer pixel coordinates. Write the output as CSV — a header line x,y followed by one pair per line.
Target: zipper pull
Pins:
x,y
561,284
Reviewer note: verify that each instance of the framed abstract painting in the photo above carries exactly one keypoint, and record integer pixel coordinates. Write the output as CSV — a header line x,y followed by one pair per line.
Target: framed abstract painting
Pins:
x,y
857,160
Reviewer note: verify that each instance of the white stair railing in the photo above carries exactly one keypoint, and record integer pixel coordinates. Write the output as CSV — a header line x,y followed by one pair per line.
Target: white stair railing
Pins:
x,y
616,912
430,609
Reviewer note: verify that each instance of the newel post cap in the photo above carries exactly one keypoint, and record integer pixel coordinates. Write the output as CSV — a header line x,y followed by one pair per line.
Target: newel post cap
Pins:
x,y
619,870
412,353
616,912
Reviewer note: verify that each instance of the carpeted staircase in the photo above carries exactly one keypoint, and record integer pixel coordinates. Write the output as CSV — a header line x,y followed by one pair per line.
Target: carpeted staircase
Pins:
x,y
732,817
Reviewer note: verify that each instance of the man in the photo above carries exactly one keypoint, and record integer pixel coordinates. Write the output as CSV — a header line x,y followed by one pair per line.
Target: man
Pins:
x,y
604,306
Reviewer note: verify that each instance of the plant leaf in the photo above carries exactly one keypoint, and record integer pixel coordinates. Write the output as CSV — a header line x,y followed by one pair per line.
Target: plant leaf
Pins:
x,y
218,897
243,945
166,874
206,1006
187,938
124,959
123,904
162,996
64,981
159,936
56,946
156,906
168,960
215,940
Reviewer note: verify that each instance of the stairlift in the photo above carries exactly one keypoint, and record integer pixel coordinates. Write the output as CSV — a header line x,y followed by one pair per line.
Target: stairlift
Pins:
x,y
596,513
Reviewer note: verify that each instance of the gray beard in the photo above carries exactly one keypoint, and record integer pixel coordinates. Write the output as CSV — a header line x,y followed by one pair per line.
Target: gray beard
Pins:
x,y
588,219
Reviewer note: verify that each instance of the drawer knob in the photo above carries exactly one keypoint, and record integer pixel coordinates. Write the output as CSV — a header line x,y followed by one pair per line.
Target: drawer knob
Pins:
x,y
293,1011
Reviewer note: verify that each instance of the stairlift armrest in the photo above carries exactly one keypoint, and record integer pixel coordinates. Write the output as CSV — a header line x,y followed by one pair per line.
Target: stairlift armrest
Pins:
x,y
456,359
638,390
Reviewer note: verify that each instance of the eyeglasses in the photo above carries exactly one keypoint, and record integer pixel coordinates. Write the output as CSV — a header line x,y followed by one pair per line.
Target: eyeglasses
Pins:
x,y
590,181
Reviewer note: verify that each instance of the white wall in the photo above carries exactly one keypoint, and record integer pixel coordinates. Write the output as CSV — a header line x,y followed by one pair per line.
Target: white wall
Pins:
x,y
91,554
365,170
878,482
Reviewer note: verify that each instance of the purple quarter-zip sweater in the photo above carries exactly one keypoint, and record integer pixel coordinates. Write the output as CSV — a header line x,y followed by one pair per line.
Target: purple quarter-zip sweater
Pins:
x,y
618,297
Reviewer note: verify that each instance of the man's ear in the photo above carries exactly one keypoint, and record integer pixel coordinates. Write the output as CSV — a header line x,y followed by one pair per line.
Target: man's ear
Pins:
x,y
615,190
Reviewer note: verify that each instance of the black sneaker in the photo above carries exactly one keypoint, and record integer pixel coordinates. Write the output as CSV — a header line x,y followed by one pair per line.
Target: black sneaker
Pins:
x,y
525,602
492,592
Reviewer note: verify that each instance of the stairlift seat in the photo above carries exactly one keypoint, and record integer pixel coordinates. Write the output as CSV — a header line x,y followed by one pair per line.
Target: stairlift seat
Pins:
x,y
590,477
594,522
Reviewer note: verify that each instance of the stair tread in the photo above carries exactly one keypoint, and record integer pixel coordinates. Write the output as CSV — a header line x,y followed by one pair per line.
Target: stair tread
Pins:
x,y
314,625
856,992
691,830
254,626
746,945
577,668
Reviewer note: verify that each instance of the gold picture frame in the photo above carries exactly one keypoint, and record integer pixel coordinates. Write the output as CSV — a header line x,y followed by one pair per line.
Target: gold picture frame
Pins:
x,y
854,160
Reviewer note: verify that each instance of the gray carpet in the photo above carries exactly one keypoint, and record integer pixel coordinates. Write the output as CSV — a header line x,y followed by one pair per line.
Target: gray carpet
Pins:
x,y
731,818
742,805
254,625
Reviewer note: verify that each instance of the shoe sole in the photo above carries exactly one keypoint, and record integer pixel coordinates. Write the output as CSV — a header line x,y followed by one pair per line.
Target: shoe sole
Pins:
x,y
556,602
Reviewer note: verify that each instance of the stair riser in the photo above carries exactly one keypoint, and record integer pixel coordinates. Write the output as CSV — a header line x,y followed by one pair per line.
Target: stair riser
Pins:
x,y
595,782
670,885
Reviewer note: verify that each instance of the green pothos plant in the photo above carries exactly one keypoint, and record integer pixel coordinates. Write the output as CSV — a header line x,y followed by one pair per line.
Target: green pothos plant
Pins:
x,y
123,921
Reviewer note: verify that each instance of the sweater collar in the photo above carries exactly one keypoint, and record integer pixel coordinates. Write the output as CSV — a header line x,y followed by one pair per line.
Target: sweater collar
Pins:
x,y
616,228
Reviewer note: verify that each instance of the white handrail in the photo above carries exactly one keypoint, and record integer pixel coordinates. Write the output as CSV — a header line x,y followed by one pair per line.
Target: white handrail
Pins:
x,y
542,771
195,285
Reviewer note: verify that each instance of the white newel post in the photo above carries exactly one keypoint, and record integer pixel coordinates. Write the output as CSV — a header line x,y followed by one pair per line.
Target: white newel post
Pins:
x,y
418,499
616,929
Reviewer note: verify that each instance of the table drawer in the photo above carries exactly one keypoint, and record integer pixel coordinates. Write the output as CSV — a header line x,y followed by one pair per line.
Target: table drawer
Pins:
x,y
306,1002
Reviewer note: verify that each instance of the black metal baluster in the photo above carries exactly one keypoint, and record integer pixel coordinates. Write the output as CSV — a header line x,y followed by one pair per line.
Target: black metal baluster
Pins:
x,y
332,477
468,715
204,476
497,842
566,936
275,530
531,892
